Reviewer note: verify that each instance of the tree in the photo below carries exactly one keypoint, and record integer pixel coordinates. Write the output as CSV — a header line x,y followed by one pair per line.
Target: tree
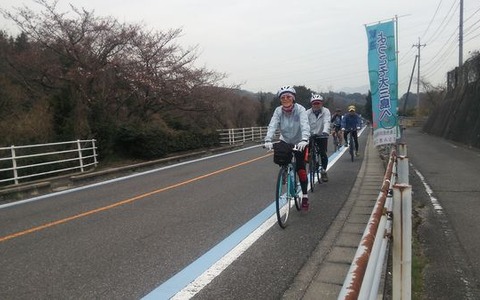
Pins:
x,y
265,112
432,97
99,74
303,95
368,107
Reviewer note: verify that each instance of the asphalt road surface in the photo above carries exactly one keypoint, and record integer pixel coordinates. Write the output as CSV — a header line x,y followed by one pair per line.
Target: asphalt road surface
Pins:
x,y
445,179
129,237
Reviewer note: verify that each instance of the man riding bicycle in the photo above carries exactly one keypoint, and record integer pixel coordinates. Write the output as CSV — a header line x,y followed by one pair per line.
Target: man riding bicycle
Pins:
x,y
351,122
319,120
337,125
292,121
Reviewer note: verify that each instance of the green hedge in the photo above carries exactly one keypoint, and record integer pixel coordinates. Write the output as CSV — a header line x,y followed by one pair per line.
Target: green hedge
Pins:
x,y
153,143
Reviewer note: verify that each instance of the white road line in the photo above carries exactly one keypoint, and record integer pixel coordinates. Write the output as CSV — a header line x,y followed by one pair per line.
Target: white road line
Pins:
x,y
436,205
188,282
119,178
203,280
192,279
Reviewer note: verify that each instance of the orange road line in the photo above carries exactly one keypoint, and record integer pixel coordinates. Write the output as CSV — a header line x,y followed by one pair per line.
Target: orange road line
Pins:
x,y
123,202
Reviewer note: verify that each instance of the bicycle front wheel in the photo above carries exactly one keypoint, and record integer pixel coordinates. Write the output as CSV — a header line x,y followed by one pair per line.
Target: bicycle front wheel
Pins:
x,y
311,168
282,199
318,166
351,145
336,143
295,195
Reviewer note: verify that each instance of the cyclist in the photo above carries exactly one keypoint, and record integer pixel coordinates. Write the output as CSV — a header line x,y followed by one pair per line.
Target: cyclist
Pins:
x,y
337,125
351,122
319,120
292,121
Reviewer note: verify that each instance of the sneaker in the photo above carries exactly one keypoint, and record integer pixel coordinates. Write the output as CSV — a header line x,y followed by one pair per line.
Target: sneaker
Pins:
x,y
305,204
324,176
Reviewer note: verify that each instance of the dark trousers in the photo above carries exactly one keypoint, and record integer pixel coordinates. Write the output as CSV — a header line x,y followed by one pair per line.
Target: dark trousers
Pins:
x,y
322,144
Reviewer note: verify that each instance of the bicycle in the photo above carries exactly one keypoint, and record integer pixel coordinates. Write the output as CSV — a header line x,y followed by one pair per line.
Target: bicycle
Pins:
x,y
337,139
314,165
287,190
351,145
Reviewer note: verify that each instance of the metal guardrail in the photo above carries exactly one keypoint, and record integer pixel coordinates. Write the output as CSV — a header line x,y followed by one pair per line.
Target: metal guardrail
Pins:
x,y
391,216
28,161
233,136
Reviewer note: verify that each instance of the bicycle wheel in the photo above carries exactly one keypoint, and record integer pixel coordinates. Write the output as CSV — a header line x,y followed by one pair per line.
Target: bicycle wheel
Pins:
x,y
351,146
311,167
282,199
295,195
335,142
317,165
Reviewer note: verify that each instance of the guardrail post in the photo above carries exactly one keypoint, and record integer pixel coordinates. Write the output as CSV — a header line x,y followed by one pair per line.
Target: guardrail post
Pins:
x,y
14,164
231,136
402,242
402,164
94,152
80,157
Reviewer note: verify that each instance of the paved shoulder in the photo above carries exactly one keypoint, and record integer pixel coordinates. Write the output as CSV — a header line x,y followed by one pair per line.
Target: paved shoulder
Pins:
x,y
446,187
323,275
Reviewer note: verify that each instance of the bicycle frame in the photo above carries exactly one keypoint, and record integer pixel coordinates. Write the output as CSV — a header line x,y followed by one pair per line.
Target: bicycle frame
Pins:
x,y
337,139
314,165
351,145
286,191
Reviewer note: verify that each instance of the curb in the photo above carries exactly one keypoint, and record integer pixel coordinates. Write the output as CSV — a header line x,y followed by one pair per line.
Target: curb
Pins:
x,y
323,275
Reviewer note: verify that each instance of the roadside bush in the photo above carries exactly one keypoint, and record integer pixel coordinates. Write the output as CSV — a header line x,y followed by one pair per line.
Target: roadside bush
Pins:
x,y
153,143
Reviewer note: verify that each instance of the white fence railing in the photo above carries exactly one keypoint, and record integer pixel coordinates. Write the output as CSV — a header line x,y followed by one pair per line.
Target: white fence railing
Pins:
x,y
28,161
241,135
390,220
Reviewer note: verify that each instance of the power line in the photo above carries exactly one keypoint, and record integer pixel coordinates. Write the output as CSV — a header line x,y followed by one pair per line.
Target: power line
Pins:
x,y
474,13
428,27
472,38
453,34
442,25
471,29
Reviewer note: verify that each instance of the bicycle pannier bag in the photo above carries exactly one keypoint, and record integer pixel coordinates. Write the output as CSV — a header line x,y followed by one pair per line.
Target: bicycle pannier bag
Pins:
x,y
282,153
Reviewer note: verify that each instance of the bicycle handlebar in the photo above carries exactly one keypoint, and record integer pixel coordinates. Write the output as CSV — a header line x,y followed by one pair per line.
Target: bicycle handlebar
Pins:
x,y
294,148
319,136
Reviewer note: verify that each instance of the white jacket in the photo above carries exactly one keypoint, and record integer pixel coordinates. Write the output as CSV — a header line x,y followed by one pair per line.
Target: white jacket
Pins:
x,y
293,126
320,124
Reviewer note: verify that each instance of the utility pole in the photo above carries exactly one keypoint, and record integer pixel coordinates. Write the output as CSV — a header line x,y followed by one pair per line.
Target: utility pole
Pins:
x,y
460,73
409,85
460,37
418,75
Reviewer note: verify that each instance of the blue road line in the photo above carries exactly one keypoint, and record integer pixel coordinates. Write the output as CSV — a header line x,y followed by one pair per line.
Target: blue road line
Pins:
x,y
176,283
180,280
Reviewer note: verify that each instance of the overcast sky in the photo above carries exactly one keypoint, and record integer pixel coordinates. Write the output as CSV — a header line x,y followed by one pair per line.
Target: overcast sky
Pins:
x,y
322,44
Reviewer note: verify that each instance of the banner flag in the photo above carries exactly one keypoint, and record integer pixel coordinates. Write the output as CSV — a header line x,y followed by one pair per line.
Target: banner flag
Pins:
x,y
383,75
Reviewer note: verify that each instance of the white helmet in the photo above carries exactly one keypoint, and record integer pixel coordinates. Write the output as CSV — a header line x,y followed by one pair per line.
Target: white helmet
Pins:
x,y
286,89
316,97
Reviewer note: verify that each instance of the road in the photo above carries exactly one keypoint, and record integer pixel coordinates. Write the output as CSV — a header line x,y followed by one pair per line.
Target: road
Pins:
x,y
446,193
128,237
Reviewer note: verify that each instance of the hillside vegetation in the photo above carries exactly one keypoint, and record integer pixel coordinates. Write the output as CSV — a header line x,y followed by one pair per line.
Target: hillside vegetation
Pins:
x,y
456,116
74,75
